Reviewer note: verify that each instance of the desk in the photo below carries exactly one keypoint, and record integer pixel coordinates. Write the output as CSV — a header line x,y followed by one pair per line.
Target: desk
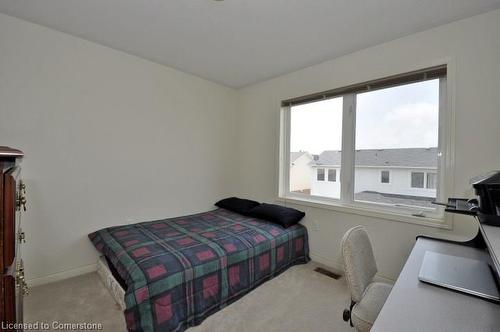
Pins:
x,y
491,236
416,306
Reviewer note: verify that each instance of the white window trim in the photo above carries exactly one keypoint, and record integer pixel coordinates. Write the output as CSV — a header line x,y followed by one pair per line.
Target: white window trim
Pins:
x,y
445,159
328,172
427,180
324,174
423,180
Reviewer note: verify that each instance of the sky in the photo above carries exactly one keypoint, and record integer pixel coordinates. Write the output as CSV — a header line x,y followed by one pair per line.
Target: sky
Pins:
x,y
401,117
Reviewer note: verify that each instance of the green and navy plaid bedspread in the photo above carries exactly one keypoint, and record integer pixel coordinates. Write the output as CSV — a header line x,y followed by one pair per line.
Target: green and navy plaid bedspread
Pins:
x,y
179,271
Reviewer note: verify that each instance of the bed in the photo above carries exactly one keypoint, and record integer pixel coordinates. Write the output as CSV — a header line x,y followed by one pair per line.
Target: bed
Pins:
x,y
177,272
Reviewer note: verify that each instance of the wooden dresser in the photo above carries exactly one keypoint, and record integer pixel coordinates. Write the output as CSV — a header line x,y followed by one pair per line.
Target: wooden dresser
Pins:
x,y
12,203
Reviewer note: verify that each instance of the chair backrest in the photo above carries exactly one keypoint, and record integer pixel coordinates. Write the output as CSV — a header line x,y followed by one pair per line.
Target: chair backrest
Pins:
x,y
359,262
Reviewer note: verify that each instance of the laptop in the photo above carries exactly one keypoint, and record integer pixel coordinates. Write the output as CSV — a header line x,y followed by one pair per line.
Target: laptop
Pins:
x,y
461,274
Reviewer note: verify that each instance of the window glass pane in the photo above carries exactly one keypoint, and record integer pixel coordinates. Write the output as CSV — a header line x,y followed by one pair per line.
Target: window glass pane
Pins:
x,y
397,127
332,175
384,177
431,180
315,144
417,180
320,174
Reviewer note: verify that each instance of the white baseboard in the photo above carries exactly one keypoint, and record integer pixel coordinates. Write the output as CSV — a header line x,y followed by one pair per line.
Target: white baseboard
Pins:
x,y
381,278
62,275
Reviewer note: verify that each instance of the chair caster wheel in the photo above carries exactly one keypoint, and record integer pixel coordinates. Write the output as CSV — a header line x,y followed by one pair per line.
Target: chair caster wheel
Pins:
x,y
346,315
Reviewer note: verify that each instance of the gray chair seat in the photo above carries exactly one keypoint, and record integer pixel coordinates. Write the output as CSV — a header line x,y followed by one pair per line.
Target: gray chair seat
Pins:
x,y
365,312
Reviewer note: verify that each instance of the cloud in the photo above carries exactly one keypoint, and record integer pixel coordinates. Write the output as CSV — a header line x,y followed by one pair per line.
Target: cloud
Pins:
x,y
317,127
404,126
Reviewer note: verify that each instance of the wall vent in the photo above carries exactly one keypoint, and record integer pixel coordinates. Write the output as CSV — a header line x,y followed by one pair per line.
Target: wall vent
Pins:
x,y
327,273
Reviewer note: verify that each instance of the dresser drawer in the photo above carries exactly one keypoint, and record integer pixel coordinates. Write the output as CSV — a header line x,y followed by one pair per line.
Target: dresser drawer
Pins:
x,y
12,202
14,288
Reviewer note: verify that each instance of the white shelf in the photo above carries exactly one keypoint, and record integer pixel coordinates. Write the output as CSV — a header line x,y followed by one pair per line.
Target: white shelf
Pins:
x,y
491,236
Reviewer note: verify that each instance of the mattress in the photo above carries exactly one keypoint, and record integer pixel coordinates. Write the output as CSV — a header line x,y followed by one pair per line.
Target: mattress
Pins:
x,y
179,271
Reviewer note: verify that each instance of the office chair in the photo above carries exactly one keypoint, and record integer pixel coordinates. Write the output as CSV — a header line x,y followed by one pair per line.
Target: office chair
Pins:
x,y
367,296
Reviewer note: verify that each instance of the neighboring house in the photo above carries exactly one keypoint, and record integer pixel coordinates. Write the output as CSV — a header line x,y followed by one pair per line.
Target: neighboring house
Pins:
x,y
385,175
300,171
325,175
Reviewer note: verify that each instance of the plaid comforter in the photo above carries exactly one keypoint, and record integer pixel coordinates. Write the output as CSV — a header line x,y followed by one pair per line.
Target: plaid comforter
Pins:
x,y
179,271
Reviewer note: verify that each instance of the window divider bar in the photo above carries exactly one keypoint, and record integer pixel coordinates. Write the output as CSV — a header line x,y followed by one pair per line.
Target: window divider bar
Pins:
x,y
443,188
348,145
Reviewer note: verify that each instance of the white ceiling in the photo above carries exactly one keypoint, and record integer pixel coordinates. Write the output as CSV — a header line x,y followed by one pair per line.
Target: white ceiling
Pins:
x,y
240,42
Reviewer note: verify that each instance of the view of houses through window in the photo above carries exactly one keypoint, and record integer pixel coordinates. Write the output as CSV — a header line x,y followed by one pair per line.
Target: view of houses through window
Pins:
x,y
396,146
316,127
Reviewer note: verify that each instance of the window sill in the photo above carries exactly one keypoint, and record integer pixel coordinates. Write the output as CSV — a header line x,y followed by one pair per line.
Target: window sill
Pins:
x,y
442,223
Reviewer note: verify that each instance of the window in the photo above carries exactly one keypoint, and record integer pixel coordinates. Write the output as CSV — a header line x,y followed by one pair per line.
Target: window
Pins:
x,y
397,127
332,175
431,180
384,176
316,128
417,179
362,137
320,174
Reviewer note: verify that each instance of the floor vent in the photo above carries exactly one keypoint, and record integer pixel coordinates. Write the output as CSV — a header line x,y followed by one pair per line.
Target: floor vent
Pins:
x,y
327,273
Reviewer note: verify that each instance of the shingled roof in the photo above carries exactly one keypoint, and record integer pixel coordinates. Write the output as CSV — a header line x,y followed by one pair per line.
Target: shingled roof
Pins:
x,y
410,157
295,155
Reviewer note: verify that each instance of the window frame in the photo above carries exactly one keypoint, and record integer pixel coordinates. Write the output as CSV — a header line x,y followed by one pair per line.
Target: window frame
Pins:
x,y
317,174
427,180
346,203
388,177
423,179
334,172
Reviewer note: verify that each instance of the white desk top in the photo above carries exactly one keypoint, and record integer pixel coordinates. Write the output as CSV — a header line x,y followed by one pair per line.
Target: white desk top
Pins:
x,y
416,306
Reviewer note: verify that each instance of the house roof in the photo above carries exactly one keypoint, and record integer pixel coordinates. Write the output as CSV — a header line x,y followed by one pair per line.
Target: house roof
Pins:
x,y
296,155
410,157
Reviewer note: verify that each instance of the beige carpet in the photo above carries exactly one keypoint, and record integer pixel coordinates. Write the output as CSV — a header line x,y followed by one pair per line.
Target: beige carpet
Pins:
x,y
297,300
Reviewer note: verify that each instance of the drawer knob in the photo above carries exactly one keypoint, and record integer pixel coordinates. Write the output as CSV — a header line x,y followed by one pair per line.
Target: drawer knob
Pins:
x,y
22,187
21,202
20,278
22,237
25,288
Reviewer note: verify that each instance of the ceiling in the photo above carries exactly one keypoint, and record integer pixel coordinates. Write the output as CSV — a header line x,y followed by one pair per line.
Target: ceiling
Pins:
x,y
240,42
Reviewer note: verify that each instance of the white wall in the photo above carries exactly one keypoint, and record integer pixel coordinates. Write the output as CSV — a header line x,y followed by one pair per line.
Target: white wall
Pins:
x,y
109,139
472,45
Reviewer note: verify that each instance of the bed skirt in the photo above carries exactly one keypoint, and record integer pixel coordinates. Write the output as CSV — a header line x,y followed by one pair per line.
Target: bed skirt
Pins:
x,y
110,282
